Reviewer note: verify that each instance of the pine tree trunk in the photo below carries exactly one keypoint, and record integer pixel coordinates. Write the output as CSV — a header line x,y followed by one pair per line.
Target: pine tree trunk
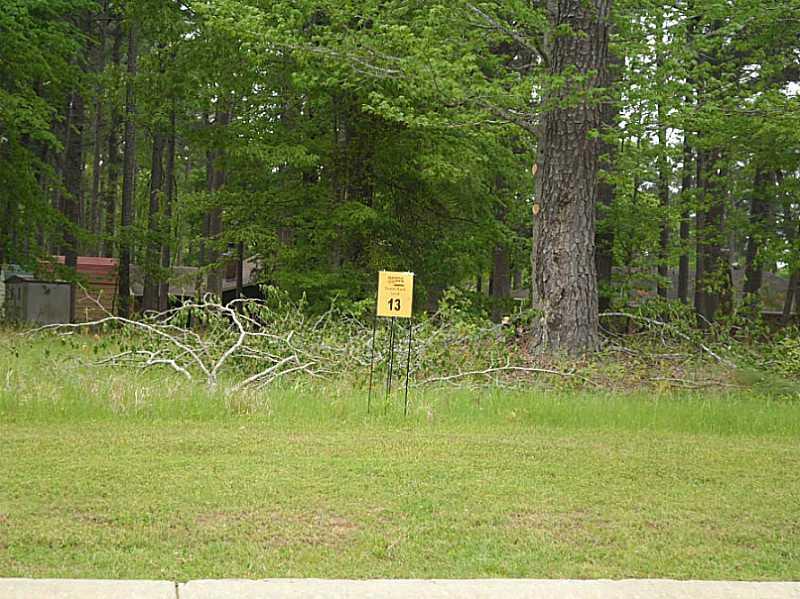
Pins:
x,y
604,236
97,149
687,180
433,297
700,235
94,206
501,280
216,180
7,222
43,178
214,229
564,267
128,177
714,287
663,201
153,255
61,127
516,279
759,213
717,276
73,174
169,198
239,269
113,158
685,230
793,289
202,253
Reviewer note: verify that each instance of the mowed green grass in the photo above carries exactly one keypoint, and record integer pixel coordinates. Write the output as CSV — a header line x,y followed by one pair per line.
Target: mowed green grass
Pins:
x,y
125,475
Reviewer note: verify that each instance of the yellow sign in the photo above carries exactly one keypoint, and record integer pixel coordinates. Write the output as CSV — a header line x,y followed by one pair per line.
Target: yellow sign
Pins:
x,y
395,294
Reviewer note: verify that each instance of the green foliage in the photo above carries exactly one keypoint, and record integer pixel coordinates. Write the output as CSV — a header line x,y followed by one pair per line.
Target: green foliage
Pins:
x,y
338,138
38,55
785,354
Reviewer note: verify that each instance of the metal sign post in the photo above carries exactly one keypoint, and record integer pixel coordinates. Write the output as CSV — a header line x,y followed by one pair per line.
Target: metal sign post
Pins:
x,y
391,361
371,360
408,365
395,300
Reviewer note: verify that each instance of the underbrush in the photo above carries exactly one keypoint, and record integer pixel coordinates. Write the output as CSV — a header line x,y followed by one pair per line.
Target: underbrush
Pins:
x,y
247,348
58,389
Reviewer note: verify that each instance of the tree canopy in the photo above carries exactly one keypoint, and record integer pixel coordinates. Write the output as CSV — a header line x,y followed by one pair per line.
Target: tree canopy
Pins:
x,y
330,139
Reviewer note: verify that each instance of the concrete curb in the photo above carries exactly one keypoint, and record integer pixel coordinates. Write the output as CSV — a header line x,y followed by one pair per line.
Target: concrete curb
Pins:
x,y
484,589
23,588
27,588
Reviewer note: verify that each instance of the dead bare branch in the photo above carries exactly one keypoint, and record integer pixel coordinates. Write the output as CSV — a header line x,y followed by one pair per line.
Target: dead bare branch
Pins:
x,y
498,369
676,332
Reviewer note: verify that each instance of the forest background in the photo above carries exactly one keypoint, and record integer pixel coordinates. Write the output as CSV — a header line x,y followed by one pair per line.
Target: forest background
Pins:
x,y
332,139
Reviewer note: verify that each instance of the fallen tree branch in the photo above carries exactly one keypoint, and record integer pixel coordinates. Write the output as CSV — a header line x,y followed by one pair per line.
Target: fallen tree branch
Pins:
x,y
687,384
263,373
677,332
153,359
133,323
287,371
497,369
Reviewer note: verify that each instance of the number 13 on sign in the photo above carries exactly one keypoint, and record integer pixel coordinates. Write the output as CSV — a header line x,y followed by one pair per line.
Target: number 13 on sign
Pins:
x,y
395,294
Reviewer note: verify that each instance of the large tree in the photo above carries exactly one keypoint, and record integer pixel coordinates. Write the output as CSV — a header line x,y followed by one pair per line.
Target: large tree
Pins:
x,y
128,175
564,228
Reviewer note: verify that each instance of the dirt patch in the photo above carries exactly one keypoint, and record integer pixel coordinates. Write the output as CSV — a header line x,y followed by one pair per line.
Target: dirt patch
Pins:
x,y
570,526
280,529
221,518
93,518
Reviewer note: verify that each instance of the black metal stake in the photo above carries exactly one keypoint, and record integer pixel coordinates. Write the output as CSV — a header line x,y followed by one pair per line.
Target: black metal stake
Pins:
x,y
391,361
371,361
408,365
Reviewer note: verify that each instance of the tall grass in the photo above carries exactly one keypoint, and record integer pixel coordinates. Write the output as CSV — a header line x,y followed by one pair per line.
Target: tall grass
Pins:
x,y
50,380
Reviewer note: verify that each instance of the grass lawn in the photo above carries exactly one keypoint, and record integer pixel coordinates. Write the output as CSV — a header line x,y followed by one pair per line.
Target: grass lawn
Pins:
x,y
128,476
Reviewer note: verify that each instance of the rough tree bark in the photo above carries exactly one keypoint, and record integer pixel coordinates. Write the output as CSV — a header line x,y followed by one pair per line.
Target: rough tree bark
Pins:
x,y
700,234
686,185
687,180
792,292
604,236
61,128
793,289
113,158
153,257
8,221
216,180
169,198
97,148
713,283
73,176
664,281
128,177
73,171
759,214
501,280
500,277
716,282
564,267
